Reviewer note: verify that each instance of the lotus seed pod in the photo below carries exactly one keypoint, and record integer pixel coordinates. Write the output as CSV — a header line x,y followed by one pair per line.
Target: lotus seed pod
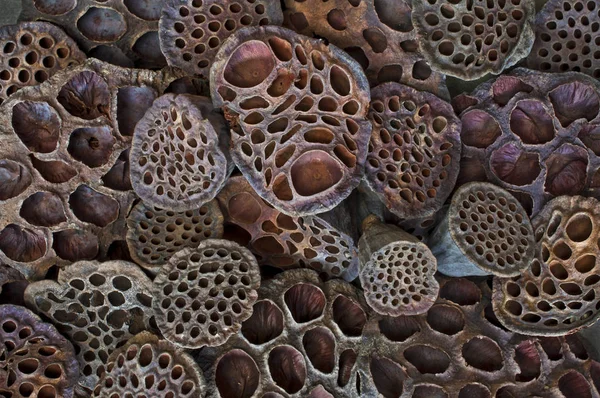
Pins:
x,y
485,232
557,294
297,109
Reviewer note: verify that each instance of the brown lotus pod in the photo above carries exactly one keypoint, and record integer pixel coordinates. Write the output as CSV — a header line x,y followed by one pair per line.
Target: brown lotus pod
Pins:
x,y
378,34
64,185
414,151
149,366
534,134
485,232
121,32
154,234
397,270
282,241
192,31
297,108
557,294
98,306
31,53
566,38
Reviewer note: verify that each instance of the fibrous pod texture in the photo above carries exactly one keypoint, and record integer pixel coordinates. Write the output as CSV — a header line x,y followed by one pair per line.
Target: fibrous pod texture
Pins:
x,y
191,32
379,34
31,53
99,306
283,241
560,292
35,360
297,109
566,37
203,295
534,134
414,151
154,234
175,158
469,39
122,32
148,366
486,231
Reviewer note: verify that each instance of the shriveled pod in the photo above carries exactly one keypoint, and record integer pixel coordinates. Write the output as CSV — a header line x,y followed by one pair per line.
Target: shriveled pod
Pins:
x,y
414,151
192,31
485,232
471,39
558,294
297,108
147,365
282,241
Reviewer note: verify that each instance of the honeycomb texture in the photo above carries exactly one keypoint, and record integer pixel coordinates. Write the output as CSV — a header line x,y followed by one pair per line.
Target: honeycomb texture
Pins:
x,y
469,39
148,366
98,306
204,294
35,360
566,38
191,32
414,151
534,134
297,108
154,234
121,32
31,53
64,180
282,241
560,292
379,34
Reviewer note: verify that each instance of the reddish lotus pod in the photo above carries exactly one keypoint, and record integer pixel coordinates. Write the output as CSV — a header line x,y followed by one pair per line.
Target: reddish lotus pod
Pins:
x,y
297,108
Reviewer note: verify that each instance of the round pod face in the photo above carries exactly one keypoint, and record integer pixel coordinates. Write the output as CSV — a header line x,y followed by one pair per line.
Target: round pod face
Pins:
x,y
203,295
414,151
297,109
492,229
468,39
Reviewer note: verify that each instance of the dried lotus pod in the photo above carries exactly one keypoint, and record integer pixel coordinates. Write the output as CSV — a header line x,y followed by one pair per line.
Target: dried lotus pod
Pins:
x,y
282,241
175,160
99,306
414,151
154,234
379,34
566,37
297,108
486,231
202,295
148,366
469,40
35,359
31,53
558,293
192,31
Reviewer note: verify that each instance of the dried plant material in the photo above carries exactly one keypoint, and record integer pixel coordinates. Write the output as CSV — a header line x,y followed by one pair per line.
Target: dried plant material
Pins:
x,y
148,366
154,234
533,134
486,231
175,160
203,295
566,37
99,306
422,228
121,32
297,108
35,359
379,34
414,152
558,294
282,241
192,31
